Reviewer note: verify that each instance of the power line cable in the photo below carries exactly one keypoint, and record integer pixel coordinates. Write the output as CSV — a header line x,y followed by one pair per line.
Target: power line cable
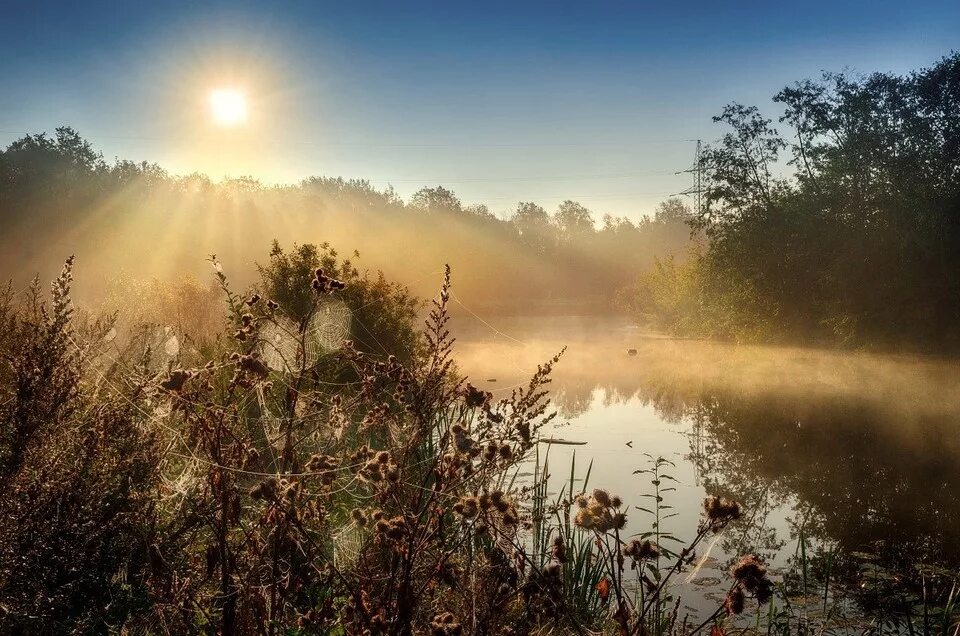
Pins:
x,y
627,142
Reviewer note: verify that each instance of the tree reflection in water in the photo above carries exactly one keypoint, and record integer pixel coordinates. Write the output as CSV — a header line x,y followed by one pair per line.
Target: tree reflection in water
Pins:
x,y
857,451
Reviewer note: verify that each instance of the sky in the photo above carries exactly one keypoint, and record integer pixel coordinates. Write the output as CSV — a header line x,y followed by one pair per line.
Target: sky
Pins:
x,y
499,101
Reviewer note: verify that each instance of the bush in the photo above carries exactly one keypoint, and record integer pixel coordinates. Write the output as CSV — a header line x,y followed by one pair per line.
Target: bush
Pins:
x,y
77,477
383,313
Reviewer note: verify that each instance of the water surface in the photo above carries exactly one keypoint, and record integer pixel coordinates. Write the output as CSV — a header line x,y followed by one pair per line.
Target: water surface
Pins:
x,y
857,452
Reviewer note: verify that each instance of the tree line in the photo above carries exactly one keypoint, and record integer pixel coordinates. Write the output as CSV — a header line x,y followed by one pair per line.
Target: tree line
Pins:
x,y
58,195
836,224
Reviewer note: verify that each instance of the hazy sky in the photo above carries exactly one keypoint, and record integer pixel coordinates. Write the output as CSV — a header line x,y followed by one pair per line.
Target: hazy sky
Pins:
x,y
498,101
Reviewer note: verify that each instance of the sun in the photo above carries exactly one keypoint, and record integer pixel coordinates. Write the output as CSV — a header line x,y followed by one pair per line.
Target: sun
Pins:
x,y
228,106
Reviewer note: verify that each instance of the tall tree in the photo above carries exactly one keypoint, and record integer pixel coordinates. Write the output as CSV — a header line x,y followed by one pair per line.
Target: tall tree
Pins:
x,y
436,200
573,221
532,223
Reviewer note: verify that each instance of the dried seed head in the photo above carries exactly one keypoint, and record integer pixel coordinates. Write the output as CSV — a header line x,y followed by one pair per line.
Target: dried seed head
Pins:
x,y
291,490
764,591
475,398
252,455
445,624
559,549
359,517
720,511
266,489
584,519
602,497
553,569
748,567
734,601
619,521
751,575
640,550
176,380
467,507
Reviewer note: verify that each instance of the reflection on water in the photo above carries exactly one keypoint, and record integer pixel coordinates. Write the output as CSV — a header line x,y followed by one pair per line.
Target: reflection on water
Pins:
x,y
858,451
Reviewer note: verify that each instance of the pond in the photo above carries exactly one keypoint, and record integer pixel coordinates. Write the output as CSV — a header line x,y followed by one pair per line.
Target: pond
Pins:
x,y
857,453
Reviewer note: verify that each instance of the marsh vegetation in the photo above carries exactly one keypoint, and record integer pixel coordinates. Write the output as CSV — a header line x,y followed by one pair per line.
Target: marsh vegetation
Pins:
x,y
281,438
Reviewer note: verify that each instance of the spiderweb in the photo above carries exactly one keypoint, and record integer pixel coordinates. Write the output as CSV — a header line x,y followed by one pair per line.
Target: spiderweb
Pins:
x,y
346,546
328,328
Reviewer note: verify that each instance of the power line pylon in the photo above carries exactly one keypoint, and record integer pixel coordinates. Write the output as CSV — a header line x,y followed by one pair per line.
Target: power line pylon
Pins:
x,y
698,189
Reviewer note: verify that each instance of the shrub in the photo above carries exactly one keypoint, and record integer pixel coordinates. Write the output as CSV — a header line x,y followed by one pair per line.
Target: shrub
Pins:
x,y
77,475
383,313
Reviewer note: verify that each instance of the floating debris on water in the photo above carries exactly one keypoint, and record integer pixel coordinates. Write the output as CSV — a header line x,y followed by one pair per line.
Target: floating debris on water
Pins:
x,y
706,581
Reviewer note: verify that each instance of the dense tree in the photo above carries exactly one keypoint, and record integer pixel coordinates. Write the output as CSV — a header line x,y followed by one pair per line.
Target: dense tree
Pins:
x,y
573,222
435,200
673,211
533,225
857,241
57,194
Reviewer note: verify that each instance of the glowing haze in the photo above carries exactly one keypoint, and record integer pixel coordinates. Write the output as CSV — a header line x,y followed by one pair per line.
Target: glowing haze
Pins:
x,y
500,102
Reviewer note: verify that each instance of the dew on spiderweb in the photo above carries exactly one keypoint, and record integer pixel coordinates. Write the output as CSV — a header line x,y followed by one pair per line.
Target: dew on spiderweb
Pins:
x,y
172,346
328,328
346,545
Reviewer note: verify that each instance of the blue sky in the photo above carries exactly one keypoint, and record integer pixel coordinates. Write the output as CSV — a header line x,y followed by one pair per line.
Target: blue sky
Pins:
x,y
500,101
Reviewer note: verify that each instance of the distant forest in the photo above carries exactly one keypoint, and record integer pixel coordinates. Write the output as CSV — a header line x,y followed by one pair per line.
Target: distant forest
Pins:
x,y
59,196
838,224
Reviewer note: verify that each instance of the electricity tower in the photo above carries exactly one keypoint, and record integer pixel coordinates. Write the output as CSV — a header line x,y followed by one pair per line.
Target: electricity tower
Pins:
x,y
698,189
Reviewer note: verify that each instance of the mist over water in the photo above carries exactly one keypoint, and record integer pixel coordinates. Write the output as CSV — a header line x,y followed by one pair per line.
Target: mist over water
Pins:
x,y
857,451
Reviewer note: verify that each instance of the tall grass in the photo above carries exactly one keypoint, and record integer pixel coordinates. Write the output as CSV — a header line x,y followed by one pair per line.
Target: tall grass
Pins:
x,y
197,489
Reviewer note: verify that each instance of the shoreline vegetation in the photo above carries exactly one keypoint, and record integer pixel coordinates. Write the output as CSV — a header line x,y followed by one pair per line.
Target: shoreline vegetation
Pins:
x,y
261,481
836,225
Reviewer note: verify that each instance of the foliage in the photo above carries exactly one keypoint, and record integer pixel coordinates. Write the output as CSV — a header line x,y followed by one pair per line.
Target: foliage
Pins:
x,y
859,245
382,312
77,476
211,493
57,191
